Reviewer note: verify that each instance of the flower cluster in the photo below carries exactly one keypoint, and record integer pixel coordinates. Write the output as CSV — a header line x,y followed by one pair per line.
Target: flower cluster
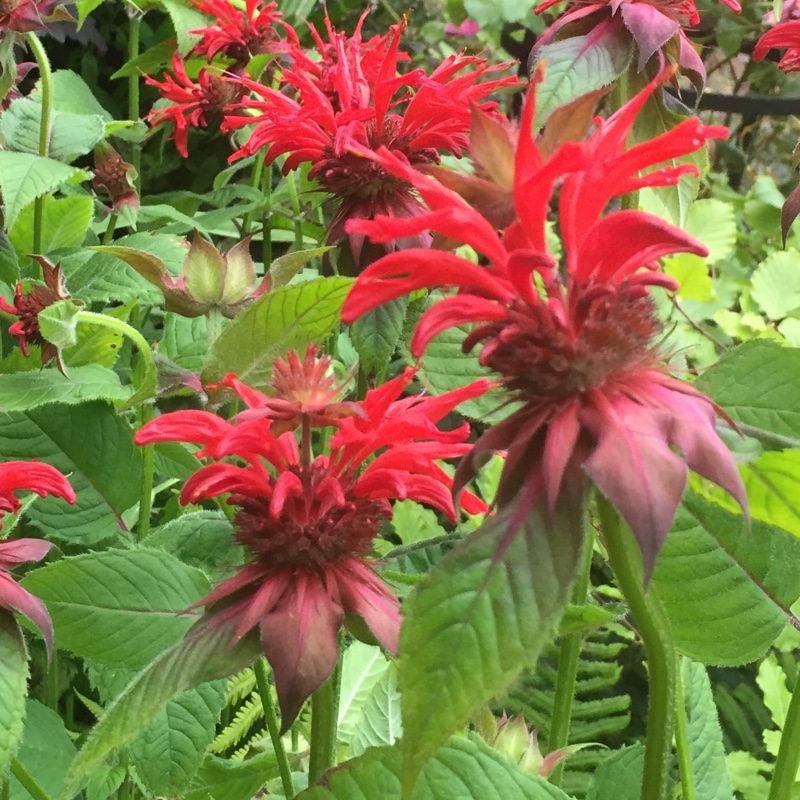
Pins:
x,y
309,521
575,347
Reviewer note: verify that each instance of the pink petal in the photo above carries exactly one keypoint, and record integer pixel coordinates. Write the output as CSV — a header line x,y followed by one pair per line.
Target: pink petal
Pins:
x,y
18,551
559,448
650,28
15,598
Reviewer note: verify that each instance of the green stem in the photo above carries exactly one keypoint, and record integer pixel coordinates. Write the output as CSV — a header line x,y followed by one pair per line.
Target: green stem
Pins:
x,y
648,614
298,222
133,95
147,410
53,683
108,236
265,692
255,182
787,764
568,657
266,218
324,720
682,738
28,781
46,77
213,326
5,790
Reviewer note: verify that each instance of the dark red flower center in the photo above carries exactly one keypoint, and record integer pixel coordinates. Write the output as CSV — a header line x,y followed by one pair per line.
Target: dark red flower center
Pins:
x,y
541,358
27,308
312,529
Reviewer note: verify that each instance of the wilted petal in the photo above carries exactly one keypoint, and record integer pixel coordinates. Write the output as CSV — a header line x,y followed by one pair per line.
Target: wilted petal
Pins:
x,y
14,598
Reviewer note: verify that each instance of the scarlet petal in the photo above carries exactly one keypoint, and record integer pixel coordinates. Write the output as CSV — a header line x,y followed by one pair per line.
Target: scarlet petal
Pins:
x,y
299,641
14,598
365,594
34,477
199,427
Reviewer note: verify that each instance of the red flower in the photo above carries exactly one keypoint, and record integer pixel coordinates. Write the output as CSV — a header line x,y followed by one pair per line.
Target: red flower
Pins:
x,y
238,35
24,16
196,105
355,100
42,479
28,307
116,177
785,34
309,523
578,352
653,24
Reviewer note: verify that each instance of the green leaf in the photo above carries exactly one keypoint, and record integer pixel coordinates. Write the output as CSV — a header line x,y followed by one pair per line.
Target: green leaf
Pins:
x,y
284,268
713,576
72,95
104,782
220,779
185,18
413,522
620,775
24,177
713,222
65,222
775,284
71,135
94,447
45,752
758,384
362,667
169,751
203,655
492,12
747,775
579,65
202,539
22,391
481,617
380,721
185,341
13,688
375,335
290,317
692,274
9,263
119,607
59,324
467,769
99,344
706,750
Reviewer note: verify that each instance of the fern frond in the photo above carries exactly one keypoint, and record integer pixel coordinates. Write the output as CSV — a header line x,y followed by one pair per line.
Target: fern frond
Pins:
x,y
241,685
240,726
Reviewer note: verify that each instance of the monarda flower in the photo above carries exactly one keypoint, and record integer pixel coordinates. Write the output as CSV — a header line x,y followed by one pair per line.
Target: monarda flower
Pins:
x,y
116,177
43,479
417,117
238,35
308,522
783,35
656,26
28,306
194,105
574,347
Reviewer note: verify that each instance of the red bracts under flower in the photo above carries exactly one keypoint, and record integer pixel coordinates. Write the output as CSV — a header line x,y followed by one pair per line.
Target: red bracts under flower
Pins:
x,y
785,34
42,479
25,16
196,105
308,523
578,352
239,35
356,101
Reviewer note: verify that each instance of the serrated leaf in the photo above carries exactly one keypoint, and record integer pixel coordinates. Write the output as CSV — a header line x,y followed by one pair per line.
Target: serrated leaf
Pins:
x,y
578,65
284,268
479,618
362,667
45,751
65,222
619,777
13,687
203,655
465,768
184,19
376,333
104,782
59,324
758,384
99,344
380,721
119,607
24,177
72,95
169,751
220,779
9,263
290,317
185,341
713,222
71,135
93,446
713,575
413,522
692,274
775,284
706,750
22,391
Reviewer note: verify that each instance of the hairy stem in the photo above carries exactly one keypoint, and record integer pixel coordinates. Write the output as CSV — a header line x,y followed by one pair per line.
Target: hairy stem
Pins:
x,y
265,692
298,222
682,738
650,619
788,762
133,95
28,781
324,721
568,657
46,77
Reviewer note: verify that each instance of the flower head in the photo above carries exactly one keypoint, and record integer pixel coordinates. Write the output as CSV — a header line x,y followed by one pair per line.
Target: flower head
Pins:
x,y
574,347
362,100
42,479
308,522
195,105
785,34
25,16
116,177
27,308
238,35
